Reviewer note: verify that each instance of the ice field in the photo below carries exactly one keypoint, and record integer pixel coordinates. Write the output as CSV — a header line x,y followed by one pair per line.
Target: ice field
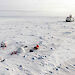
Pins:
x,y
56,40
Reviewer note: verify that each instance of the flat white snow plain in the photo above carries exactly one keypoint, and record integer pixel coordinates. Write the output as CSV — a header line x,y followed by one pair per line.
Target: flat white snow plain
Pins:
x,y
56,38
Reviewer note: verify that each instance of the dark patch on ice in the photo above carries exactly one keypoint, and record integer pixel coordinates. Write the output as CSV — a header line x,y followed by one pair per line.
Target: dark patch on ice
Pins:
x,y
25,46
40,37
6,68
51,48
40,57
33,58
28,74
48,33
16,42
31,50
32,35
67,68
21,34
68,49
26,27
73,65
56,69
58,66
44,56
50,71
20,67
67,33
3,60
24,56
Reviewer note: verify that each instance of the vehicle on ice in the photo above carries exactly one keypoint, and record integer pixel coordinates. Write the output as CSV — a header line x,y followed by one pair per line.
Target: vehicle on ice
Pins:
x,y
69,19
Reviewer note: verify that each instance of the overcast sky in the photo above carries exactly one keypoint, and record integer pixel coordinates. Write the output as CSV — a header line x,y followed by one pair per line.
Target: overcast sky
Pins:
x,y
41,6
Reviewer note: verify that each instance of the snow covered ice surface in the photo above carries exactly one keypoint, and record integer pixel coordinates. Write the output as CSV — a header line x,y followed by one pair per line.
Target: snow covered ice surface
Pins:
x,y
56,55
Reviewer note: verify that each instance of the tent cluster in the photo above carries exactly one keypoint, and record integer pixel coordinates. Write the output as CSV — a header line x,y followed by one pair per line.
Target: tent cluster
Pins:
x,y
21,49
69,19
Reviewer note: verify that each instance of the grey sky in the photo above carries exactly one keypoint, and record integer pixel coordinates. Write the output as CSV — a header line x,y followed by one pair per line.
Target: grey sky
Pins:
x,y
45,6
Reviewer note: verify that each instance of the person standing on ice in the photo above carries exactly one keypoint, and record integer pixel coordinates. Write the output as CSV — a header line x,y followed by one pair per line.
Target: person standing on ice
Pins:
x,y
70,16
35,48
3,44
